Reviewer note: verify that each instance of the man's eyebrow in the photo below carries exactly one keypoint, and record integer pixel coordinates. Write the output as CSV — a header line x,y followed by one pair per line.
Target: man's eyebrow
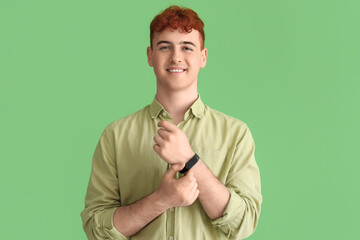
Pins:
x,y
183,42
187,42
162,41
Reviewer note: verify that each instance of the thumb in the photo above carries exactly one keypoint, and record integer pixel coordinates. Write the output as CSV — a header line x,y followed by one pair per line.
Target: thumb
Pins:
x,y
175,168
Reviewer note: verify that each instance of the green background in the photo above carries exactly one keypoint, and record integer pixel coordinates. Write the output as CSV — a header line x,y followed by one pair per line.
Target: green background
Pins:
x,y
289,69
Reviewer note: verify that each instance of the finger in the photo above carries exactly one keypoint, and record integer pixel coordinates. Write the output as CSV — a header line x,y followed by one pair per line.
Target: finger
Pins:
x,y
194,192
188,179
178,166
190,175
159,141
170,173
163,133
175,168
157,148
197,193
168,126
194,187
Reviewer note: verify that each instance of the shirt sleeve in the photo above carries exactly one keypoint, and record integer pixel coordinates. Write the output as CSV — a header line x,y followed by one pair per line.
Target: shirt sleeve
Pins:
x,y
241,215
103,195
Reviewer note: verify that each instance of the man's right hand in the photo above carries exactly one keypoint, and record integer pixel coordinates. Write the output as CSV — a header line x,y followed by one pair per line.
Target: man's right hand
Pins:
x,y
178,192
172,192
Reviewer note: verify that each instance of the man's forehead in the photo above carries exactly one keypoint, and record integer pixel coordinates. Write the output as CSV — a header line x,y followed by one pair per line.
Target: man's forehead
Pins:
x,y
177,36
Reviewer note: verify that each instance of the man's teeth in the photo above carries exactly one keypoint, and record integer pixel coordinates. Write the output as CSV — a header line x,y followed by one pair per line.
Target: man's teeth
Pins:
x,y
176,70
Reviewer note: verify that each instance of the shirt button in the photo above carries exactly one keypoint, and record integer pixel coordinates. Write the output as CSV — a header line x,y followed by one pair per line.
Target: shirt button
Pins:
x,y
171,238
164,114
172,209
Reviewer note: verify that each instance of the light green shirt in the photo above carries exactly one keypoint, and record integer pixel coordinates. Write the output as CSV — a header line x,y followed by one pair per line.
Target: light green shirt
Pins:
x,y
125,168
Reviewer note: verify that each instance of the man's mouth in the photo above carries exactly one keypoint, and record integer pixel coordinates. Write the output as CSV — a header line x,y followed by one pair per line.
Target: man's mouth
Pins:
x,y
176,70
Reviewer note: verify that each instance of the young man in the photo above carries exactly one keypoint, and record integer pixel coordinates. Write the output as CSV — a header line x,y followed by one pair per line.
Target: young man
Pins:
x,y
176,169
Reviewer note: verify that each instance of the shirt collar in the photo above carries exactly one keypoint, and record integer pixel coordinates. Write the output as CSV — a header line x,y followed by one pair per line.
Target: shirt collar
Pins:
x,y
197,108
155,108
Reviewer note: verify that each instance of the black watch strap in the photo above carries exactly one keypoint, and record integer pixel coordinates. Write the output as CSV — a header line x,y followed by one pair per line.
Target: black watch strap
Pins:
x,y
190,163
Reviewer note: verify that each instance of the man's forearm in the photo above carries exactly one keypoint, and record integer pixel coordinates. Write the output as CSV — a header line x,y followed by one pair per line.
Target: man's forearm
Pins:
x,y
214,196
130,219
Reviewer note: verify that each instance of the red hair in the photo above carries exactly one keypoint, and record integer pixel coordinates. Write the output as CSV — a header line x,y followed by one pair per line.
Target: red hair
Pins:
x,y
175,17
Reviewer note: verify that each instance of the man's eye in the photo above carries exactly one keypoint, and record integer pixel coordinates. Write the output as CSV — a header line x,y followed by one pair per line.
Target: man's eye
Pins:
x,y
187,49
164,47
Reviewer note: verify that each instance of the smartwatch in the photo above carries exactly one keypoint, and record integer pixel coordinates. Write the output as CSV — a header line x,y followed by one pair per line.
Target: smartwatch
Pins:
x,y
190,164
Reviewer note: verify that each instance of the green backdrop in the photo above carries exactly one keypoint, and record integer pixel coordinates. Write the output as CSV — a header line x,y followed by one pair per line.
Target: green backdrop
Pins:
x,y
289,69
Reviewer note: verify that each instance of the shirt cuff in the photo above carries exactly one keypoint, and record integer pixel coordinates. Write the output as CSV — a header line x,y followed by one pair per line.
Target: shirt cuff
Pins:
x,y
232,211
108,227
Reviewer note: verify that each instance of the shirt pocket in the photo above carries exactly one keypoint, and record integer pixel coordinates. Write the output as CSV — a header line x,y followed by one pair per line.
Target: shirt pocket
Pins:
x,y
214,159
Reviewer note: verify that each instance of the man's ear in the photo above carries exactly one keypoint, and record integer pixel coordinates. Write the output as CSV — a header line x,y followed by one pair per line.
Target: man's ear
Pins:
x,y
203,57
149,56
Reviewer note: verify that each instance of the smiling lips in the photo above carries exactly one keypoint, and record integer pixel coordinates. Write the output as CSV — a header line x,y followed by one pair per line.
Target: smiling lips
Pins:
x,y
176,70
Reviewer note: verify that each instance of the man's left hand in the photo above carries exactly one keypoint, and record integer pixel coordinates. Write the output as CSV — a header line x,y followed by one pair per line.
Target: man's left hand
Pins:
x,y
172,144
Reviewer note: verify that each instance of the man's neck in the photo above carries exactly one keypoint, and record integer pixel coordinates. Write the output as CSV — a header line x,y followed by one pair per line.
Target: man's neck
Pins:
x,y
177,103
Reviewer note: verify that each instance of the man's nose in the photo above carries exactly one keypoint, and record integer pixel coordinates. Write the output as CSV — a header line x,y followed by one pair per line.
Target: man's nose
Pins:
x,y
176,56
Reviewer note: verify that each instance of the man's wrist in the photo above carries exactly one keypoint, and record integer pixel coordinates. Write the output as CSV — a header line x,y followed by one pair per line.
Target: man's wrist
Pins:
x,y
188,156
160,201
191,163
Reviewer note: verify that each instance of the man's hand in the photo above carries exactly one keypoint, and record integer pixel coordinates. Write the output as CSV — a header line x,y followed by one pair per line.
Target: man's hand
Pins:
x,y
178,192
172,144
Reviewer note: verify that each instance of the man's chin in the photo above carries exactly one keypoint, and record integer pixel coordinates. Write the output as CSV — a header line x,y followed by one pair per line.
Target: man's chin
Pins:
x,y
173,86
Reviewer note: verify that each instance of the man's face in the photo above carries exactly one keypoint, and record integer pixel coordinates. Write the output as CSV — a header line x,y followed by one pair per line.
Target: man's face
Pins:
x,y
176,58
